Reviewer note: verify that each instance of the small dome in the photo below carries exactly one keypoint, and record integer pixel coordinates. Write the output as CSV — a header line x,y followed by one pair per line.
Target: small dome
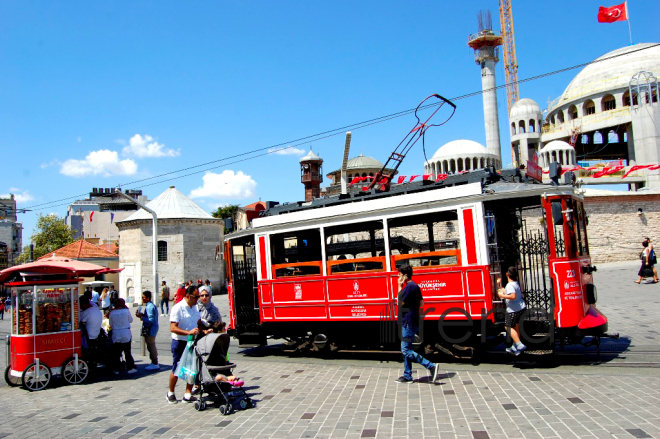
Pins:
x,y
557,145
311,157
524,108
612,71
171,204
363,162
460,148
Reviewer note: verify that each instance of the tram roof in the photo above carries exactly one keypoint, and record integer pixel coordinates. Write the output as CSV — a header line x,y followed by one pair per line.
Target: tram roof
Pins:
x,y
481,185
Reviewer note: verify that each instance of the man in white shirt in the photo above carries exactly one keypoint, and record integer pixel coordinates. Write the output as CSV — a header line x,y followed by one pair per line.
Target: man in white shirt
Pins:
x,y
184,321
91,317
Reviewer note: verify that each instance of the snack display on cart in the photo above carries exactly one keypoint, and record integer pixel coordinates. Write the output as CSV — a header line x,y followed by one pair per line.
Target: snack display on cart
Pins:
x,y
44,307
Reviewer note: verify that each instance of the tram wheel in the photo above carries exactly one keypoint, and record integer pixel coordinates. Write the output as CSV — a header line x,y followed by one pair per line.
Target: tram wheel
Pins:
x,y
11,380
30,380
69,371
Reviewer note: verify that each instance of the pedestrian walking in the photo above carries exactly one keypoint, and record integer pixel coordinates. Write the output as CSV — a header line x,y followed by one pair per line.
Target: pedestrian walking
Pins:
x,y
515,307
149,328
410,301
120,322
183,322
164,299
105,300
2,308
648,262
114,295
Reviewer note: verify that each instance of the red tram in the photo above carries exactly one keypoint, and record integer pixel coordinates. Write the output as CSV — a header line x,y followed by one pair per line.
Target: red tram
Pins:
x,y
323,274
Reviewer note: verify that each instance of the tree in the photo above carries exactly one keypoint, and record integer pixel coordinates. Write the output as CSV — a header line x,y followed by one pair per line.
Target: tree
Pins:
x,y
224,212
52,234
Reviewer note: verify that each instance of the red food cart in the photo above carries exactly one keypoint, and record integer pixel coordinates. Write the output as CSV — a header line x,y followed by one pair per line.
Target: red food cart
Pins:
x,y
45,337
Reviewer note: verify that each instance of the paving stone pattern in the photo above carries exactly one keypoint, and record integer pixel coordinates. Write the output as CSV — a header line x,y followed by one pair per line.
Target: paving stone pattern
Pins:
x,y
332,399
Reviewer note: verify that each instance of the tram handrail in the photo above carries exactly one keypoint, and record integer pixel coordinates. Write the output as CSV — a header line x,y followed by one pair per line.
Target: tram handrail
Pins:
x,y
441,253
276,267
356,263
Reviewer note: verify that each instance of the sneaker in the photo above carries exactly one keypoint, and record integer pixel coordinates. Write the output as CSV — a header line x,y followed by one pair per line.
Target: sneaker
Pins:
x,y
196,390
237,383
403,380
172,399
189,400
512,350
436,372
132,370
520,349
152,367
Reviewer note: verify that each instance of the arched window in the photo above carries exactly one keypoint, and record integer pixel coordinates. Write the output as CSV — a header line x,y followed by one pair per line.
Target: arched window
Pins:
x,y
513,128
460,165
560,116
612,137
589,107
572,112
532,126
162,251
521,127
608,103
364,174
626,99
552,119
598,138
584,139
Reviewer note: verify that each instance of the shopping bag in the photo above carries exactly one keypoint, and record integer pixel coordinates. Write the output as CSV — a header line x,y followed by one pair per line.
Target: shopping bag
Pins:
x,y
187,369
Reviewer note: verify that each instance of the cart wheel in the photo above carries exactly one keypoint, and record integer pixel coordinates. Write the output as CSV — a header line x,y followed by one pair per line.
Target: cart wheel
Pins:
x,y
243,404
250,403
223,410
198,406
30,380
11,381
203,406
69,371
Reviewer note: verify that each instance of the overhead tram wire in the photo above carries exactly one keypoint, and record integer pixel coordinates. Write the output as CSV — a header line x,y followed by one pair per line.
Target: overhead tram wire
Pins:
x,y
326,134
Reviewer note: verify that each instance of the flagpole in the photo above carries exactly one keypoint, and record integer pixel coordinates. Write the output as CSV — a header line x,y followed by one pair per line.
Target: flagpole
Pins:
x,y
628,19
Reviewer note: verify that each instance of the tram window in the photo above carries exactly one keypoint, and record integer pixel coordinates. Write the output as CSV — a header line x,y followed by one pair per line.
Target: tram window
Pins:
x,y
296,253
582,219
355,247
425,240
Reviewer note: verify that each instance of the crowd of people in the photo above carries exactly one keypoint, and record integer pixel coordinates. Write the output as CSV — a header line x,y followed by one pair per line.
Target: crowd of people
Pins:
x,y
106,324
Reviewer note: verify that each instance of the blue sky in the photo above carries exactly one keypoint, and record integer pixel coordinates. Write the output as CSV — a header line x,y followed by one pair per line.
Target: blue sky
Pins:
x,y
96,94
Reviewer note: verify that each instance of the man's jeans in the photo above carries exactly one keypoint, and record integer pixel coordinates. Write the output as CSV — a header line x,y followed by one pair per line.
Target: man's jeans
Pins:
x,y
408,333
167,304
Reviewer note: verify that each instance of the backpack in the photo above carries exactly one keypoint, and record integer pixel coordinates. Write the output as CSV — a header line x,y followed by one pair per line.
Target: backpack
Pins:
x,y
652,259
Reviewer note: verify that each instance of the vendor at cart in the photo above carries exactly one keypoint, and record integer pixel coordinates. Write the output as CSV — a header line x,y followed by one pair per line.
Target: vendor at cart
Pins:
x,y
91,317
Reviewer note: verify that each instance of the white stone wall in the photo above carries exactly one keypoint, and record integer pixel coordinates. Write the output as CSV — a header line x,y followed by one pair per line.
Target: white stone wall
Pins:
x,y
615,229
191,247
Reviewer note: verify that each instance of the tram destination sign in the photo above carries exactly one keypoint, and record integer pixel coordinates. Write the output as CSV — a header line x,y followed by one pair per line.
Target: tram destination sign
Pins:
x,y
533,169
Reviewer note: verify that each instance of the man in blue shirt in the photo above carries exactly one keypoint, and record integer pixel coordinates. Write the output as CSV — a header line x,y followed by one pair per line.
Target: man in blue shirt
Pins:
x,y
410,301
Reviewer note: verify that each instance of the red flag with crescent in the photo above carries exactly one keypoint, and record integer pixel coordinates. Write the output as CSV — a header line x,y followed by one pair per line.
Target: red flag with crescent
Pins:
x,y
613,13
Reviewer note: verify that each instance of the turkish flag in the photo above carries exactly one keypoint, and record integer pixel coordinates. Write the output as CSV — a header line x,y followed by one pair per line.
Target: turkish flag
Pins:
x,y
613,13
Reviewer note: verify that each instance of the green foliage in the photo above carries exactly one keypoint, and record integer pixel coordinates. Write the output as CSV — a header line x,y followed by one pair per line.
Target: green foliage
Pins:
x,y
52,234
225,212
24,257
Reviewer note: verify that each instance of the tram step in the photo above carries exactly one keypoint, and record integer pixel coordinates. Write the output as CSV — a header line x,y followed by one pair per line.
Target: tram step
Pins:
x,y
540,334
540,352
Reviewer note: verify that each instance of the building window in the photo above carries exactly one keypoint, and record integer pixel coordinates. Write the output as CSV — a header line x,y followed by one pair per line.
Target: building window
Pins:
x,y
572,112
609,103
162,251
589,108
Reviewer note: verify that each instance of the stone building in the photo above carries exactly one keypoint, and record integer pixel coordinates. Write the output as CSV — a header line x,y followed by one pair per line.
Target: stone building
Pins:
x,y
11,232
189,245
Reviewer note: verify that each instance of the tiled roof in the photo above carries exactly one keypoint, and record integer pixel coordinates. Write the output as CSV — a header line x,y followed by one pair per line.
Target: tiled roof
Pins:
x,y
171,204
111,247
81,250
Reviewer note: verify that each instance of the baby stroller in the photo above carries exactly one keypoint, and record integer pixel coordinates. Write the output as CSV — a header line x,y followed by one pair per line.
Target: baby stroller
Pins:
x,y
212,357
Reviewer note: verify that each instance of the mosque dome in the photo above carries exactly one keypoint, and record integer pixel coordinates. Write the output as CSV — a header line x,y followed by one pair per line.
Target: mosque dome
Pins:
x,y
459,147
460,155
362,162
611,71
524,107
557,151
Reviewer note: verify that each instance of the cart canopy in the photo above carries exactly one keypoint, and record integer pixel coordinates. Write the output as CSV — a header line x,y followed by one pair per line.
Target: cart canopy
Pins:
x,y
57,265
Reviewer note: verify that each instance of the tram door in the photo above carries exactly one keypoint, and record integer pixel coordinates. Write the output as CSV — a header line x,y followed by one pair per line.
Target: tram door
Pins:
x,y
244,279
517,236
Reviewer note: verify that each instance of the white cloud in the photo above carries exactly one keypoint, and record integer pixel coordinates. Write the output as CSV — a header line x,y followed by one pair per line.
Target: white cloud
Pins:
x,y
226,185
146,146
102,162
19,196
286,151
51,163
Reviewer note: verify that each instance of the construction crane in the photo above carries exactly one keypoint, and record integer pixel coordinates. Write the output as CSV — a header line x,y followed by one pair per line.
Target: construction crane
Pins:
x,y
510,63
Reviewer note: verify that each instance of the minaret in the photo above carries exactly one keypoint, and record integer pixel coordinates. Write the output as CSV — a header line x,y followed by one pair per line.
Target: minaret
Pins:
x,y
311,175
486,50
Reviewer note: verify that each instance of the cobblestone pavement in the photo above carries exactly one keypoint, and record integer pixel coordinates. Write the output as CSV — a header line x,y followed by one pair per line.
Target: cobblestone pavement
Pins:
x,y
615,395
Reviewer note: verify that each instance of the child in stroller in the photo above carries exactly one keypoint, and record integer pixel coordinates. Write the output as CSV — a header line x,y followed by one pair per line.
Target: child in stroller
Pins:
x,y
215,377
